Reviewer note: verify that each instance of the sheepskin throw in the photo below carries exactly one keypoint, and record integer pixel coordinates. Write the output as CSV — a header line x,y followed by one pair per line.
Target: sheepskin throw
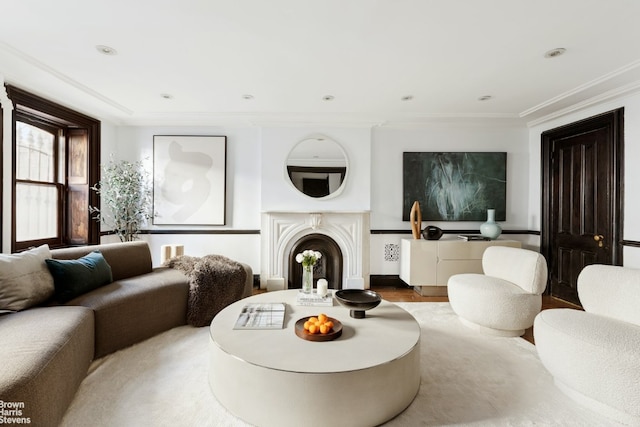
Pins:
x,y
215,281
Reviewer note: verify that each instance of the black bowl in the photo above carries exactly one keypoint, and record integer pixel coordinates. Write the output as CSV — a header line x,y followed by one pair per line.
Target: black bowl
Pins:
x,y
358,300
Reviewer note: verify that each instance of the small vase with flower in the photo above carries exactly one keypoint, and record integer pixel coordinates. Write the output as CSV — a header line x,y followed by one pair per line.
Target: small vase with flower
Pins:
x,y
308,259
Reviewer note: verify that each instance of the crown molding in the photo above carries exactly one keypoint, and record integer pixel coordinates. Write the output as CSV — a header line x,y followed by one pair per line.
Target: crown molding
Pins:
x,y
608,96
63,77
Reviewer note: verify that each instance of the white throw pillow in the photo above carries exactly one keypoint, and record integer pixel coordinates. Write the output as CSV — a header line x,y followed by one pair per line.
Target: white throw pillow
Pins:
x,y
25,279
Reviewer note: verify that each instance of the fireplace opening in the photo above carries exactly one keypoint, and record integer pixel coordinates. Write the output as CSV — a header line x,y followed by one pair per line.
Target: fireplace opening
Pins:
x,y
329,266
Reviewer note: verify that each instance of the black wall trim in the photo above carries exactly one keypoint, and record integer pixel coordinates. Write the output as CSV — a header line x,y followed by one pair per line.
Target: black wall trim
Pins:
x,y
200,232
534,232
632,243
106,233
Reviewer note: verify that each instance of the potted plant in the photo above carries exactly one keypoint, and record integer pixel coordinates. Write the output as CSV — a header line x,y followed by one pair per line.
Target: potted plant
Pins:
x,y
125,194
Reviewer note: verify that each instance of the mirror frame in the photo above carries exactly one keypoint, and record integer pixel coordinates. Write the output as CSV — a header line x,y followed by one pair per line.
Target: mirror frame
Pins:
x,y
343,171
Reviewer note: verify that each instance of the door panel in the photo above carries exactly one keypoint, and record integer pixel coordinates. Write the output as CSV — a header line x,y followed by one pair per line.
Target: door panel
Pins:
x,y
581,199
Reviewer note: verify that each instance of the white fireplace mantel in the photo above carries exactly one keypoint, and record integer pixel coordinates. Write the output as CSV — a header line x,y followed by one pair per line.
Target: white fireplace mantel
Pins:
x,y
282,230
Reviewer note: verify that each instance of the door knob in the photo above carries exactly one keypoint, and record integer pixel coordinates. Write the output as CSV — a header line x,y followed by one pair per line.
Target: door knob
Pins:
x,y
599,238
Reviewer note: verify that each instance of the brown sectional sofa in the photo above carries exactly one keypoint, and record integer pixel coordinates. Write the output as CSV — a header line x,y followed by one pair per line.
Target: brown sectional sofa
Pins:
x,y
48,349
46,355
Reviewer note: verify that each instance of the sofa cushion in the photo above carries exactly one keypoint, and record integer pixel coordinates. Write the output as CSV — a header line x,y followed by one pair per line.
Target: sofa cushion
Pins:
x,y
46,352
131,310
78,276
25,280
127,259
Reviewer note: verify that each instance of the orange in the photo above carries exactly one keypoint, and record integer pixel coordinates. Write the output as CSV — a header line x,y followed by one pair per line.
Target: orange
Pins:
x,y
329,324
322,318
313,319
324,329
313,329
307,324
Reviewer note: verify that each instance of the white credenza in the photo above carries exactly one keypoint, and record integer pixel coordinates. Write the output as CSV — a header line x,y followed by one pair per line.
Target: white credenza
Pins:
x,y
427,264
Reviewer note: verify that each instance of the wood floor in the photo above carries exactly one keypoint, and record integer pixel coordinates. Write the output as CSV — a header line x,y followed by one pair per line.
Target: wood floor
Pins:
x,y
397,294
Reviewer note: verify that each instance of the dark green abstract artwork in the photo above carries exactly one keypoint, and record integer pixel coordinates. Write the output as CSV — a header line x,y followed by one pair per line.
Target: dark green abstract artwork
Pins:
x,y
455,186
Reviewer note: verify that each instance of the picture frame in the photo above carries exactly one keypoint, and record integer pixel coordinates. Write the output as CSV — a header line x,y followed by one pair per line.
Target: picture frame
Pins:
x,y
189,180
455,186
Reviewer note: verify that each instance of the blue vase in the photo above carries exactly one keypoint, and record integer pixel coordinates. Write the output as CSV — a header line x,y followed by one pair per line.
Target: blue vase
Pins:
x,y
491,228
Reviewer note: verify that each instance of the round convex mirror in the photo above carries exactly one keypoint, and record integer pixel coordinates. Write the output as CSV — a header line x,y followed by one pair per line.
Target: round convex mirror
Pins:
x,y
317,167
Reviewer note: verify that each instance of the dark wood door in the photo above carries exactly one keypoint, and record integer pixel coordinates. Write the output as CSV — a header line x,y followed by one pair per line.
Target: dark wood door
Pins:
x,y
581,199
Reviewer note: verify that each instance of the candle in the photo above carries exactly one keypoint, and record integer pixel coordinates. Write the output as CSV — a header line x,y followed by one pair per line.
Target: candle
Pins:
x,y
322,287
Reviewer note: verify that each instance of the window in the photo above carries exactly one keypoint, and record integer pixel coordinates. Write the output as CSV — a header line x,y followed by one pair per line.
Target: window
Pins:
x,y
37,192
55,162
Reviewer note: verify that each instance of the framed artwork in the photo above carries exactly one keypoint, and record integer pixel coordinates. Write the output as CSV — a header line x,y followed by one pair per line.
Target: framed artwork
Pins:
x,y
189,180
455,186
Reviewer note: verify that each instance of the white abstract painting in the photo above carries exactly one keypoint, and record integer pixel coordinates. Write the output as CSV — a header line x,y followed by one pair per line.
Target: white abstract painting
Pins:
x,y
189,180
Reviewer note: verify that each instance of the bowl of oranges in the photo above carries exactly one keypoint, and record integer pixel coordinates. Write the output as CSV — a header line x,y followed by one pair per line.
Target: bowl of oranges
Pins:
x,y
318,328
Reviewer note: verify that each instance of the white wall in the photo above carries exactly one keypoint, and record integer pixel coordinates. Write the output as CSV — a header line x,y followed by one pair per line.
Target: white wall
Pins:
x,y
278,194
388,144
256,182
243,190
631,187
257,179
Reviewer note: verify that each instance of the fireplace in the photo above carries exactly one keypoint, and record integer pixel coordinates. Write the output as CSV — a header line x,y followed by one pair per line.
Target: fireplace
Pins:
x,y
344,234
328,267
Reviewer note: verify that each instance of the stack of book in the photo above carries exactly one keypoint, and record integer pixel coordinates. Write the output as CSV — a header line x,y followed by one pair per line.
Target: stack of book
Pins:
x,y
469,237
315,299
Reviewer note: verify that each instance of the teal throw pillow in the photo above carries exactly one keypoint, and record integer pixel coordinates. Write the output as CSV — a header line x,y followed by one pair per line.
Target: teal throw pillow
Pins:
x,y
78,276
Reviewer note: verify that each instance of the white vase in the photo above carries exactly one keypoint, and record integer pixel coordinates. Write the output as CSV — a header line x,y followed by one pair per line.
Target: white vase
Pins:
x,y
491,228
307,279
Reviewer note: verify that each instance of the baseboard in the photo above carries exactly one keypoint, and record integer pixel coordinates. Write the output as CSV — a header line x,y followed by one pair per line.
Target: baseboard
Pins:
x,y
256,281
387,281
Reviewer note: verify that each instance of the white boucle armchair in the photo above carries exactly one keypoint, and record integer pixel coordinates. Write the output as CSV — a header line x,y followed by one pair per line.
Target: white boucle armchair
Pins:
x,y
504,300
594,355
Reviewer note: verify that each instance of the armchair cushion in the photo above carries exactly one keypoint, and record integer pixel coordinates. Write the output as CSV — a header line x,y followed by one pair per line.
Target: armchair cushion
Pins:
x,y
493,303
506,298
525,268
618,299
593,359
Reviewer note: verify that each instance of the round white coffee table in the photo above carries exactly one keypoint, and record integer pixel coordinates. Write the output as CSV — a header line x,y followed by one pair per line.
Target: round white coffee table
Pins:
x,y
274,378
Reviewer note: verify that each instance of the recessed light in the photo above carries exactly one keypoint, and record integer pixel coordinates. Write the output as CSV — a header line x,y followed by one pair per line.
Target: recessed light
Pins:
x,y
485,98
106,50
328,98
166,96
555,52
407,98
247,97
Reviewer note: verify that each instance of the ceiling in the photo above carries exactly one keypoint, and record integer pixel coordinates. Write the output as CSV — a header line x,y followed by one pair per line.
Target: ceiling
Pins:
x,y
288,55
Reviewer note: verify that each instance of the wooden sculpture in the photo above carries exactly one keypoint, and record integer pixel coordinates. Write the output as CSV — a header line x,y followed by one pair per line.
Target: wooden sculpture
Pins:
x,y
416,220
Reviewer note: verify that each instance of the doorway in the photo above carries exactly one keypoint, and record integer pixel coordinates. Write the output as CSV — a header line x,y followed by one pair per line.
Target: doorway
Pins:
x,y
582,199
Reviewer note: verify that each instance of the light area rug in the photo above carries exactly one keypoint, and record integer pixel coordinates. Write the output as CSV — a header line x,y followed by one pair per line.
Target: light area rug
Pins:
x,y
468,379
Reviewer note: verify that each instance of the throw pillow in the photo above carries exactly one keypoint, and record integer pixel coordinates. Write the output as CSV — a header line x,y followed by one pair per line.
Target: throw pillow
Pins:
x,y
75,277
24,279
